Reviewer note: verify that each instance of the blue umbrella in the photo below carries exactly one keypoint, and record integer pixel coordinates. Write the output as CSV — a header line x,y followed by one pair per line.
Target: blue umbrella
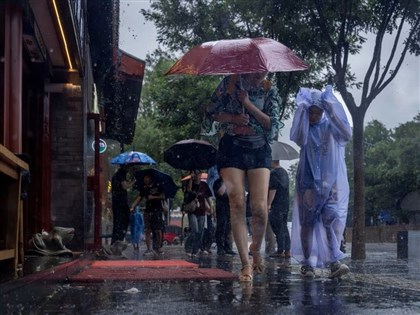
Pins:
x,y
133,157
169,186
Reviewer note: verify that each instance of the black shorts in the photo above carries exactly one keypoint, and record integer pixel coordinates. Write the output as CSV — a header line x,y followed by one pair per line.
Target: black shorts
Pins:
x,y
232,155
153,221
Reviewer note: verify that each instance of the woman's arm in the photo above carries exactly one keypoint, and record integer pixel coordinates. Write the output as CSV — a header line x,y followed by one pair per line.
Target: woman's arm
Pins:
x,y
237,119
135,203
127,185
334,110
259,115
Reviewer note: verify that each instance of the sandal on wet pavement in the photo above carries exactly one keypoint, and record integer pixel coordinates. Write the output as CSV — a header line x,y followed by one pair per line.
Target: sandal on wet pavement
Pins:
x,y
258,263
246,274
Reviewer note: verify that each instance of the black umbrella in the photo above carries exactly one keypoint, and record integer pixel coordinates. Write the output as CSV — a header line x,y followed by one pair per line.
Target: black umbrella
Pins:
x,y
169,186
191,155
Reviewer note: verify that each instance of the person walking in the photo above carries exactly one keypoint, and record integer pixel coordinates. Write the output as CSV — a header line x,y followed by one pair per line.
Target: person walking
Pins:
x,y
120,207
278,208
153,213
196,189
321,129
246,110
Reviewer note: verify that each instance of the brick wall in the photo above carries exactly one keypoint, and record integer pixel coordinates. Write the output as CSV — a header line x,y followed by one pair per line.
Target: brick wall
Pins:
x,y
68,168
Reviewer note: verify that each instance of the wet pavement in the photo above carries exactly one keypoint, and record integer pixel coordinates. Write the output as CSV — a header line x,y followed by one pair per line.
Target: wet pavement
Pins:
x,y
381,284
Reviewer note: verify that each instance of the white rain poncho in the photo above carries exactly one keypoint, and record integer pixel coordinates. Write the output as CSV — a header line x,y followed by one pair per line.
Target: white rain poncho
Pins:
x,y
322,189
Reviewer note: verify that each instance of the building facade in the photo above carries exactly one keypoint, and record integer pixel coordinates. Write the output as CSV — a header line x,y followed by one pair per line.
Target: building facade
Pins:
x,y
65,88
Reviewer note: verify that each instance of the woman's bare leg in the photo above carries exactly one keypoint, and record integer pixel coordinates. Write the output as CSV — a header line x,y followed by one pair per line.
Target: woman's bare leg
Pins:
x,y
258,180
148,237
233,179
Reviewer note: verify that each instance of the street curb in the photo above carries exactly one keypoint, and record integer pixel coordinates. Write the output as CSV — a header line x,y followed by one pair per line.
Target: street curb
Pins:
x,y
60,272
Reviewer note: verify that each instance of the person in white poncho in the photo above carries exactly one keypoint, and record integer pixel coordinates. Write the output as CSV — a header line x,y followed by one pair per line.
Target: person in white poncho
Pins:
x,y
321,129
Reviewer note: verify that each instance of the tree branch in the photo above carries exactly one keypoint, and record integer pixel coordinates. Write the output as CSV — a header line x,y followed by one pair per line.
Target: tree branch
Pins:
x,y
376,55
398,66
391,57
322,24
341,43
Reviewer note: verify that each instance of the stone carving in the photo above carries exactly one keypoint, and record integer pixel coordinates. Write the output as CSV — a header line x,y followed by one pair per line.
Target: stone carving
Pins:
x,y
53,243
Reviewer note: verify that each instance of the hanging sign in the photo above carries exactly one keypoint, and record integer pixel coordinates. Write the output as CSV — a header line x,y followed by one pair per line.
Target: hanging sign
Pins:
x,y
102,146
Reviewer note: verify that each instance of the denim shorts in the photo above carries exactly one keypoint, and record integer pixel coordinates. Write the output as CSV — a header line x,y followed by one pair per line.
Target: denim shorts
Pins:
x,y
231,155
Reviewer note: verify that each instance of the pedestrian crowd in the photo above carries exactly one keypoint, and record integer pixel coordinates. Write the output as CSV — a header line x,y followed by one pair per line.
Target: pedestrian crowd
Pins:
x,y
247,195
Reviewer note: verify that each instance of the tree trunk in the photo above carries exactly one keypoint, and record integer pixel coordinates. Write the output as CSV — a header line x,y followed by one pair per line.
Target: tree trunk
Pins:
x,y
358,236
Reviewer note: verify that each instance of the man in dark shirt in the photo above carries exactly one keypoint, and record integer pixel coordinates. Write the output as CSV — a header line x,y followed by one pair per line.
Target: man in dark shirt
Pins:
x,y
278,203
120,208
153,213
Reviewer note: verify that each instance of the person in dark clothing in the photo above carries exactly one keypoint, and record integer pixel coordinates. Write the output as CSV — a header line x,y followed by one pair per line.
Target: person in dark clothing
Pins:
x,y
208,234
223,228
153,214
196,188
278,203
120,208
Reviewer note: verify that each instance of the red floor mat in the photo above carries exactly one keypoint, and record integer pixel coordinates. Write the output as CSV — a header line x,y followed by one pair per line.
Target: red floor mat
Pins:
x,y
149,274
143,264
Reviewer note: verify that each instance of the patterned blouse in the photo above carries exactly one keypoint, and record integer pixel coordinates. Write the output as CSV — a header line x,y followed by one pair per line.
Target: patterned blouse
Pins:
x,y
265,97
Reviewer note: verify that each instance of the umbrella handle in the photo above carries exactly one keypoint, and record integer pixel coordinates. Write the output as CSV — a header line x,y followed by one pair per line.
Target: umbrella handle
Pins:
x,y
182,228
241,87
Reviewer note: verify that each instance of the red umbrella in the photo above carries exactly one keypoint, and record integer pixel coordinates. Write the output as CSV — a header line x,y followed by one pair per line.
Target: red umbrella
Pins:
x,y
235,56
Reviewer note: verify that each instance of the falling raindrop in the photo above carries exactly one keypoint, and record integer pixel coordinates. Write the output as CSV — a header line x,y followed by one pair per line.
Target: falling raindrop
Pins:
x,y
2,59
51,50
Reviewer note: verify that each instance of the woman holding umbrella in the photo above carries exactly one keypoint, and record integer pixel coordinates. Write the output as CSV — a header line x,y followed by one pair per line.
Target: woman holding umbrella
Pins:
x,y
246,108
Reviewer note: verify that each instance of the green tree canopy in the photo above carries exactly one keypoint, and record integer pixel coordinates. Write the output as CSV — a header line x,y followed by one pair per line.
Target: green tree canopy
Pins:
x,y
392,166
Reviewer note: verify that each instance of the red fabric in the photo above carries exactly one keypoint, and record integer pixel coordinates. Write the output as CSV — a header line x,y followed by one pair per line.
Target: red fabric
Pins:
x,y
143,264
151,274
